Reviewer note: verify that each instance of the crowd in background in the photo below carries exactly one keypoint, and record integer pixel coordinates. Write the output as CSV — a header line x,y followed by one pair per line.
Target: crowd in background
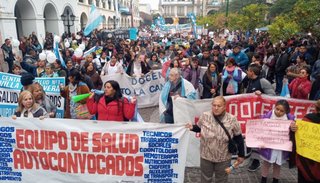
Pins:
x,y
240,65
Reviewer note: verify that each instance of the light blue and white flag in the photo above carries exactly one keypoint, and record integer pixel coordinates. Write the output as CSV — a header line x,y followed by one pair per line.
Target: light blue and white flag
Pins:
x,y
95,19
93,49
58,54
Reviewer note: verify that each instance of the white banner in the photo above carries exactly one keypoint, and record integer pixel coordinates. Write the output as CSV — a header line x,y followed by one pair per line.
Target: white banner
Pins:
x,y
60,150
146,88
10,87
244,107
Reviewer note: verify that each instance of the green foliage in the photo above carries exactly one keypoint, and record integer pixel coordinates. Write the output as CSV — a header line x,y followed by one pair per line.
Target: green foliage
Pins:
x,y
306,14
254,15
281,7
283,28
235,6
214,21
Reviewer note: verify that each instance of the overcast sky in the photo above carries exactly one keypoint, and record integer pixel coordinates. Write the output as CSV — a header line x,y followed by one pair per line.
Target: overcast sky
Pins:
x,y
154,3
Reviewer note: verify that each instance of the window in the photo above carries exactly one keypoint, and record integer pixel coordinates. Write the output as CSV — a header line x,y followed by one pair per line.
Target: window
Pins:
x,y
97,3
90,2
180,10
104,4
80,1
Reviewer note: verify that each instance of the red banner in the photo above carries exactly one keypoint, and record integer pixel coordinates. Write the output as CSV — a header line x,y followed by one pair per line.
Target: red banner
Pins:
x,y
251,106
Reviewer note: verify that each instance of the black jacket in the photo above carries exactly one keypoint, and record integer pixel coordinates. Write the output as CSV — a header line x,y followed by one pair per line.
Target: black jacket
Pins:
x,y
282,63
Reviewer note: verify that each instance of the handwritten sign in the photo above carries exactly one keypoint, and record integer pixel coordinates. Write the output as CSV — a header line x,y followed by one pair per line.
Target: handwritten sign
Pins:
x,y
267,133
308,140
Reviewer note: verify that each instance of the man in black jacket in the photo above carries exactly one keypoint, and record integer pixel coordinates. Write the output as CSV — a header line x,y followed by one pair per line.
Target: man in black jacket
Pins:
x,y
281,65
8,54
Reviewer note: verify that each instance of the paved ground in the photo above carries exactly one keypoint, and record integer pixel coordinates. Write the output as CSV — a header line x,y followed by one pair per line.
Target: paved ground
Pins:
x,y
240,175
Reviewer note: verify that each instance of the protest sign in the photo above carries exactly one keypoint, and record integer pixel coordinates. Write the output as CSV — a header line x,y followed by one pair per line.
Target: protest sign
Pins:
x,y
268,133
60,150
244,107
308,140
146,88
10,88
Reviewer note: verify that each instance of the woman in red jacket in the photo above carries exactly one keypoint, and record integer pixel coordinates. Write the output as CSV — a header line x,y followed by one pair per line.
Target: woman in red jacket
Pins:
x,y
111,106
300,87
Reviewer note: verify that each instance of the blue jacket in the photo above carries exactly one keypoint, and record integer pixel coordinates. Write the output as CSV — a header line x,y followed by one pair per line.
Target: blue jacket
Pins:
x,y
241,59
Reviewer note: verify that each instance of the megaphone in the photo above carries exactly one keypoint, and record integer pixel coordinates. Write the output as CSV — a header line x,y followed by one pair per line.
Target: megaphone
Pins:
x,y
78,98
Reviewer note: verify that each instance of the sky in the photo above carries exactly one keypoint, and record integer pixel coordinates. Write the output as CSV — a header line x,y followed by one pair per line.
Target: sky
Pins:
x,y
154,3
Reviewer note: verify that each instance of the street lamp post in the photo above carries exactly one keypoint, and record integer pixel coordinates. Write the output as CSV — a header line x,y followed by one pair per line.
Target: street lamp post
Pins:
x,y
68,20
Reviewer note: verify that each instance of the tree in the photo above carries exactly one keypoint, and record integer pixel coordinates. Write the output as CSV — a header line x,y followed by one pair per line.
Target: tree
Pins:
x,y
306,14
253,16
236,6
283,28
281,7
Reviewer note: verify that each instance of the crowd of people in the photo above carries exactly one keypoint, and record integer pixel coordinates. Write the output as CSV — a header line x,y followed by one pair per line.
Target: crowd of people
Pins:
x,y
240,65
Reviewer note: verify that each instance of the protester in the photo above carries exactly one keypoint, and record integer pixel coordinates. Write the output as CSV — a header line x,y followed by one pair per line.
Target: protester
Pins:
x,y
16,69
28,108
241,59
92,73
282,64
272,156
293,71
75,87
193,74
111,106
214,153
231,76
112,67
138,67
175,87
8,54
269,65
256,83
49,72
211,82
58,68
36,70
154,63
300,87
40,98
308,170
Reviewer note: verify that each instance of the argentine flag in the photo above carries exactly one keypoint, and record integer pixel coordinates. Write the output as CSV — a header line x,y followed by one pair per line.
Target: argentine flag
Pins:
x,y
95,19
58,54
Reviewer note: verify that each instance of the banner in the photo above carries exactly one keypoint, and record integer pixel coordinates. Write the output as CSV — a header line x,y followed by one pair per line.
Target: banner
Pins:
x,y
60,150
146,88
10,87
244,107
308,140
268,133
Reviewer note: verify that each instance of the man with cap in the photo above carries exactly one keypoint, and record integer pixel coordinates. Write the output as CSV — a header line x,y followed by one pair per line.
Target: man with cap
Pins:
x,y
241,58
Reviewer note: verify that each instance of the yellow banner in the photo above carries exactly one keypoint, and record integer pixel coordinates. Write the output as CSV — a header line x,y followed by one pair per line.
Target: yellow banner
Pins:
x,y
308,140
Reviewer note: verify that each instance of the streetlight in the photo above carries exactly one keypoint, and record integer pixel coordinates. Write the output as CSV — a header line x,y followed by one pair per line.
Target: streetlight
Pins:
x,y
68,20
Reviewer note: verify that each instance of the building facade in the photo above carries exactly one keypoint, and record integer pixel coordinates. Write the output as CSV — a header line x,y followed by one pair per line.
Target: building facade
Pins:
x,y
22,17
171,9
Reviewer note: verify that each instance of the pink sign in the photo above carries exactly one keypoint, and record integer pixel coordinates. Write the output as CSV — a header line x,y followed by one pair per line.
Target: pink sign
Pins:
x,y
267,133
